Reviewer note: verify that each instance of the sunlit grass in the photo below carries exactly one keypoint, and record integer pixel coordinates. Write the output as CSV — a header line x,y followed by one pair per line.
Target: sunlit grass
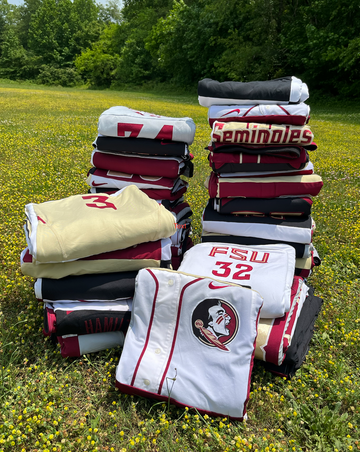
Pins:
x,y
53,404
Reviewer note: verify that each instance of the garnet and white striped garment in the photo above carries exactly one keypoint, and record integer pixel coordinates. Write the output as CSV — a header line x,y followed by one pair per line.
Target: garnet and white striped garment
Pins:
x,y
295,114
263,187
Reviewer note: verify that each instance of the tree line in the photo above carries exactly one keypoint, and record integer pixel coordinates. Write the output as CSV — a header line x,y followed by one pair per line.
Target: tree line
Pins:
x,y
179,42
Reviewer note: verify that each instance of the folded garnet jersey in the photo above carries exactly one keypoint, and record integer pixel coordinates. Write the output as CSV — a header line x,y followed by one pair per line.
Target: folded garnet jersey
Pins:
x,y
241,162
198,331
181,211
271,171
268,269
275,335
170,167
141,146
163,194
83,225
296,206
295,114
263,187
98,287
284,229
284,90
148,254
123,122
76,345
258,133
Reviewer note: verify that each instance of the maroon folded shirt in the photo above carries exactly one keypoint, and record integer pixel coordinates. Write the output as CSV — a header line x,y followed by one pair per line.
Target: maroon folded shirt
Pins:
x,y
263,187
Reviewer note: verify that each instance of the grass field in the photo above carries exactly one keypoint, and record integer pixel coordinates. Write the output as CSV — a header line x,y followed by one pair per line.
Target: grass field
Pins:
x,y
48,403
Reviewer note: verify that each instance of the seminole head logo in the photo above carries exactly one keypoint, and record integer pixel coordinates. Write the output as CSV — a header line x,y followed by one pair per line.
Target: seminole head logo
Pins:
x,y
215,323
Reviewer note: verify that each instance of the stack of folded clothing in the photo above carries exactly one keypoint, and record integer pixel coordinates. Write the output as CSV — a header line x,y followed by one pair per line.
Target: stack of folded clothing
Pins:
x,y
260,195
262,181
86,251
152,152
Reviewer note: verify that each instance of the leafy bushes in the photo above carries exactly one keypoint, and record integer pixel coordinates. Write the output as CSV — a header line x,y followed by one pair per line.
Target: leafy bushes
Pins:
x,y
50,75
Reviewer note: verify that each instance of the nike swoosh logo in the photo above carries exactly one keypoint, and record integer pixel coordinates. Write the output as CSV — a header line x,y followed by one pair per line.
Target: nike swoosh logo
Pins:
x,y
94,184
211,286
237,110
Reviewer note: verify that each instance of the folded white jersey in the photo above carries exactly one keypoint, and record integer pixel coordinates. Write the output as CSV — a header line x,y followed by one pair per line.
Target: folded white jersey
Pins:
x,y
123,122
284,90
188,335
268,269
84,225
295,114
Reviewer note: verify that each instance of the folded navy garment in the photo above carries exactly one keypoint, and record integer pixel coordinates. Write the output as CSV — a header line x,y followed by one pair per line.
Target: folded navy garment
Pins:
x,y
300,343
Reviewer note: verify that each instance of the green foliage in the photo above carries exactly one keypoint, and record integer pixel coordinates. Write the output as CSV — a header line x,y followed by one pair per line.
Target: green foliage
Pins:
x,y
98,64
50,75
180,42
135,64
15,61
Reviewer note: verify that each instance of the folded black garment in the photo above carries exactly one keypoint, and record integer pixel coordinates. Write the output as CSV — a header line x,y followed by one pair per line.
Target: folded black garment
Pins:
x,y
98,286
77,317
300,343
301,250
284,90
286,149
91,322
141,146
263,206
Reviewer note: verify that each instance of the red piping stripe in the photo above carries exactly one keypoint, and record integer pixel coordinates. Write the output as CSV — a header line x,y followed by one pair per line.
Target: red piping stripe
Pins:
x,y
149,327
175,332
